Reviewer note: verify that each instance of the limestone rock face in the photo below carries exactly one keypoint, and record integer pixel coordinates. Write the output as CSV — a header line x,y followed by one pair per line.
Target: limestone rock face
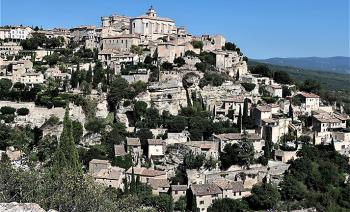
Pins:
x,y
20,207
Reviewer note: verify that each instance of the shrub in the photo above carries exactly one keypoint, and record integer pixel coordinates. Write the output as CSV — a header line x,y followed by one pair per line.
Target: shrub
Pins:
x,y
22,111
8,118
7,110
248,86
95,125
197,44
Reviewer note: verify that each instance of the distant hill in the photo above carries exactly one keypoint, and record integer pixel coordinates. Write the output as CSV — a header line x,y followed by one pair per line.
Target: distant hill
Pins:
x,y
329,64
329,80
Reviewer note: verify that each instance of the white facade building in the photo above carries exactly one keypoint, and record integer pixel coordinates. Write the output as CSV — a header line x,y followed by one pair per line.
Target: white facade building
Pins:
x,y
151,26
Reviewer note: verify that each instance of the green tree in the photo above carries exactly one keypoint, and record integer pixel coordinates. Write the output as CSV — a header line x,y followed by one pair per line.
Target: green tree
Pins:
x,y
180,204
119,90
197,44
292,189
282,77
228,205
179,61
241,153
167,66
264,197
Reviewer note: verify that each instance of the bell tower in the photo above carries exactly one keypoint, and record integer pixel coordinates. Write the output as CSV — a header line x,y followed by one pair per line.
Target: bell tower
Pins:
x,y
151,12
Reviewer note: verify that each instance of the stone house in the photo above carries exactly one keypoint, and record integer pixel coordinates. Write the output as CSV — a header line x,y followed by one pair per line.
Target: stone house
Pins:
x,y
133,146
233,103
96,165
178,191
231,189
32,78
260,113
156,148
276,127
231,138
323,122
145,174
205,194
119,150
159,185
285,156
309,101
209,148
274,90
111,177
121,43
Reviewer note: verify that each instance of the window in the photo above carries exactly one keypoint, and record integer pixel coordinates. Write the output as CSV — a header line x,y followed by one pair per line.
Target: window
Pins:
x,y
234,193
201,202
176,192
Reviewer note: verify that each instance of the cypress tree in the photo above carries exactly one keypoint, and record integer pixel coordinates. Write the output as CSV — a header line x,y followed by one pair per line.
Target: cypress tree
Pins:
x,y
332,144
290,112
237,76
245,113
67,155
239,121
89,75
314,139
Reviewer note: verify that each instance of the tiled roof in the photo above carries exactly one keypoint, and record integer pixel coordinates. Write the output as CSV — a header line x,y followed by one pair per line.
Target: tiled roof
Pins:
x,y
153,18
264,108
236,186
119,150
178,187
309,95
327,118
237,136
122,36
155,142
146,172
205,189
158,183
112,173
237,99
97,161
133,142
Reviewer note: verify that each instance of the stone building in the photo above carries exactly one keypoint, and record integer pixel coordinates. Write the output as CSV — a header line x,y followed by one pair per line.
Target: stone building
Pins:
x,y
156,148
231,138
152,27
145,174
274,90
205,194
309,101
110,177
231,189
178,191
159,185
121,43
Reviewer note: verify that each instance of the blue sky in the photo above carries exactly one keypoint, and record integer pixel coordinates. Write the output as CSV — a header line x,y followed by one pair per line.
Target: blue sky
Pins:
x,y
261,28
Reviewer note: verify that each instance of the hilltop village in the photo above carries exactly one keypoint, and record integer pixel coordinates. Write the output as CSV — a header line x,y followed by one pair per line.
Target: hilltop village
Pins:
x,y
139,115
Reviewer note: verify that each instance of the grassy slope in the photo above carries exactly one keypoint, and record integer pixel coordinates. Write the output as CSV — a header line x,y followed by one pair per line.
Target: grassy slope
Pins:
x,y
328,80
